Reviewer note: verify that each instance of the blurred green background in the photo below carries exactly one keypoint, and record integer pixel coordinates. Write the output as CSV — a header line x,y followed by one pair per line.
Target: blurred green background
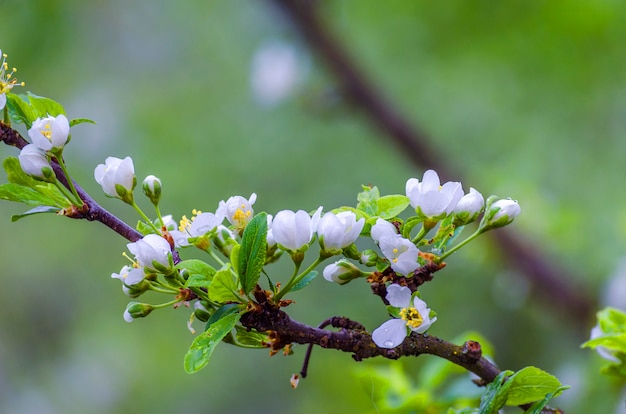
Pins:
x,y
526,99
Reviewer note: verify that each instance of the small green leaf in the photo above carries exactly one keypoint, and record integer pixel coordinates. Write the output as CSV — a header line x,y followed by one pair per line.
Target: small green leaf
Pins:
x,y
36,210
203,346
223,287
391,205
234,257
200,273
252,252
43,107
20,110
368,200
249,339
409,225
531,384
81,121
538,406
305,281
494,397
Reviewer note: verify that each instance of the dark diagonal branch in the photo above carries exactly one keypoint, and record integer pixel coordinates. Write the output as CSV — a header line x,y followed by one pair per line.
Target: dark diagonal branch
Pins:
x,y
359,343
548,278
93,210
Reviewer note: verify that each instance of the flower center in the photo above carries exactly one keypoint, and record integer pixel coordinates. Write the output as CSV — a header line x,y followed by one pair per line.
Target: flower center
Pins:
x,y
47,132
241,214
412,317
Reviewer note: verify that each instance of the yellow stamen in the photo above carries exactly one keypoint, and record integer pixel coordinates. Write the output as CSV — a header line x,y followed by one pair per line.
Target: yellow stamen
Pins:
x,y
412,317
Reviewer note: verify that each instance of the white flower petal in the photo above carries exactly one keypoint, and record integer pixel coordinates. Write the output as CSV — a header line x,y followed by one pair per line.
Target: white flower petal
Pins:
x,y
398,296
390,334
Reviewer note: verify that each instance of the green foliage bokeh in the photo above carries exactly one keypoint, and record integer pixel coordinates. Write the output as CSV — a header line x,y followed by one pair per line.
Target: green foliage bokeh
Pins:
x,y
526,99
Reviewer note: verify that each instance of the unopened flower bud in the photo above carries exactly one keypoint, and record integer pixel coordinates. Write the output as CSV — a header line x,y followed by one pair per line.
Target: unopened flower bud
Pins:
x,y
500,213
341,272
152,189
368,257
34,162
136,310
469,207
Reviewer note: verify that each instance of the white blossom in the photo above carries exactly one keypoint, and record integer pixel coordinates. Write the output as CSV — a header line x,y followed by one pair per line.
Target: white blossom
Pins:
x,y
431,199
237,210
117,177
294,230
152,252
340,230
50,133
414,316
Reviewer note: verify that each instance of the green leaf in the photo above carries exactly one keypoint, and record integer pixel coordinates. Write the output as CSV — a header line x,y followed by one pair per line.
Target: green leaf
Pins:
x,y
249,339
200,273
36,210
24,189
81,121
538,406
20,110
368,200
531,384
43,107
252,252
391,205
16,175
409,225
494,397
305,281
21,194
223,287
203,346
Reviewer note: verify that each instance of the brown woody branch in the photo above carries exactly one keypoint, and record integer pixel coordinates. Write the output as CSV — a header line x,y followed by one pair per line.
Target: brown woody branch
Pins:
x,y
354,339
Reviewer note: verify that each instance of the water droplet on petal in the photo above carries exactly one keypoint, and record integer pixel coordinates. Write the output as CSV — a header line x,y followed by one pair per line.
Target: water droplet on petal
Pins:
x,y
388,344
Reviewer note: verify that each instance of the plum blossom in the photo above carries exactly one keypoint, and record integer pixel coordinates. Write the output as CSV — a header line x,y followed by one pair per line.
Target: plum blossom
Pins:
x,y
294,230
401,253
199,225
414,316
469,206
153,252
117,178
341,272
430,199
337,231
237,210
50,133
131,277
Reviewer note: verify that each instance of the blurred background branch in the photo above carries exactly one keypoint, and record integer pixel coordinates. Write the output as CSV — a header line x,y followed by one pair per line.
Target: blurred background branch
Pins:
x,y
550,281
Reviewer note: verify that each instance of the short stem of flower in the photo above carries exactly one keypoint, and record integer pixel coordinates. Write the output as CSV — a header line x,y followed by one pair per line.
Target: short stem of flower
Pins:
x,y
158,213
76,197
458,246
144,217
297,277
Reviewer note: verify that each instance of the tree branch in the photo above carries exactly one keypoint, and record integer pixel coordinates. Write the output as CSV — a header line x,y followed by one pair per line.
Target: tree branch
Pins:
x,y
412,141
92,211
353,338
